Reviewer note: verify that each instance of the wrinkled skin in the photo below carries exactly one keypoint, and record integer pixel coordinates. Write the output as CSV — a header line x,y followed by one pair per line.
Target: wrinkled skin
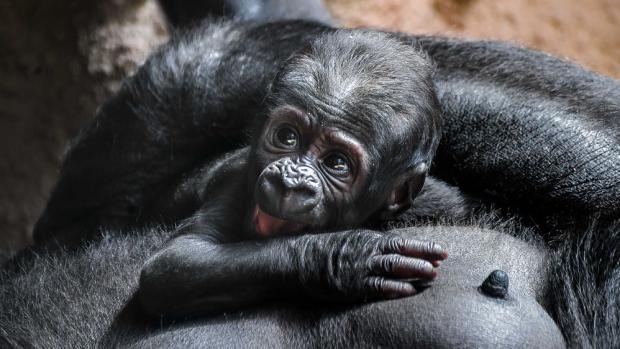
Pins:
x,y
515,120
316,164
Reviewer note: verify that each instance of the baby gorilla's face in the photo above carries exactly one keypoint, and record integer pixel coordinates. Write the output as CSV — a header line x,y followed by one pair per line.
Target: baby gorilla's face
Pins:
x,y
312,174
353,122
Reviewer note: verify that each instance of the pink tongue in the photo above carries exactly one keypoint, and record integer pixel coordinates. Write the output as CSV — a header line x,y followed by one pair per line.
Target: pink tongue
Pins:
x,y
267,225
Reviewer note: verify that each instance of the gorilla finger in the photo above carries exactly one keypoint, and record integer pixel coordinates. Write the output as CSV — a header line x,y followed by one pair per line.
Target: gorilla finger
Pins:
x,y
427,250
398,266
379,287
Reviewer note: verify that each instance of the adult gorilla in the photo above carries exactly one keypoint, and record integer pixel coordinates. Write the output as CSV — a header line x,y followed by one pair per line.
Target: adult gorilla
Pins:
x,y
523,130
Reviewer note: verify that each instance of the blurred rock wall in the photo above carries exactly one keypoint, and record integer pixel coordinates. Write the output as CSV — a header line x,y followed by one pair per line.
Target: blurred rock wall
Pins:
x,y
60,59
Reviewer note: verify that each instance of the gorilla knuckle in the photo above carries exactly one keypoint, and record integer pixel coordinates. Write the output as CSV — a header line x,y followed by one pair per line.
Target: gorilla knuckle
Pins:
x,y
427,246
394,243
385,265
421,265
376,285
433,247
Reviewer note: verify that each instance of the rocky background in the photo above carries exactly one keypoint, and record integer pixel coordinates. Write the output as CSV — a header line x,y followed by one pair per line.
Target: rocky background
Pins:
x,y
60,59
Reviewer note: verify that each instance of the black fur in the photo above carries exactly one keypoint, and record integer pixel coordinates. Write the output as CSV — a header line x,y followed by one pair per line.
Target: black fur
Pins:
x,y
584,282
181,109
523,129
362,97
181,91
528,130
84,298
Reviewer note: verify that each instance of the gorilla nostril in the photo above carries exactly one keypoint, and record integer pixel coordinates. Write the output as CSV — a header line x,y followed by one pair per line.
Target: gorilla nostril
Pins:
x,y
271,186
302,199
289,188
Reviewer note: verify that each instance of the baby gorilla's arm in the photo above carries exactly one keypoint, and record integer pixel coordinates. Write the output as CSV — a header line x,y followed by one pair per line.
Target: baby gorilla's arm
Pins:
x,y
194,274
208,269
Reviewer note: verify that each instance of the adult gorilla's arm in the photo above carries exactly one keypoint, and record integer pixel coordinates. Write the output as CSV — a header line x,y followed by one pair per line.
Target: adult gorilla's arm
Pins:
x,y
190,101
527,128
522,126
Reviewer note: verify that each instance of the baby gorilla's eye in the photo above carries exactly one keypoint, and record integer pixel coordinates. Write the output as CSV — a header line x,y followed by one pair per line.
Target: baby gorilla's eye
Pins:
x,y
286,137
337,163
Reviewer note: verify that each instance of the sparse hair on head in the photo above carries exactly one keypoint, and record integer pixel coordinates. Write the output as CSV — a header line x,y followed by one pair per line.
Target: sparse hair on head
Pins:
x,y
375,82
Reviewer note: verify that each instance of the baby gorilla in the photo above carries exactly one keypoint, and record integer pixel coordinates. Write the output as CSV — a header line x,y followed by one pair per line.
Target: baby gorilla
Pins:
x,y
351,126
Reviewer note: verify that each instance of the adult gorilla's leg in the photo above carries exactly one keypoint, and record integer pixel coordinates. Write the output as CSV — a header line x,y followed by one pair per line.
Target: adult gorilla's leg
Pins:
x,y
101,279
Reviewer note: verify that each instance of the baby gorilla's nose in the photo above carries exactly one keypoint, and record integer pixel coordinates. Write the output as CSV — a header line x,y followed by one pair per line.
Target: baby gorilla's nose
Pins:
x,y
288,188
300,199
299,176
301,188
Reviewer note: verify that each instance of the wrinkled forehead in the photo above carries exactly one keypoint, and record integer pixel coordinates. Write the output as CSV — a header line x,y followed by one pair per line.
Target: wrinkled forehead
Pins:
x,y
351,119
353,100
365,118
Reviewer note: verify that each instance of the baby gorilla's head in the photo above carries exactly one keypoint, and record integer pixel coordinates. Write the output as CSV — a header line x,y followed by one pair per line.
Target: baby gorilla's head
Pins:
x,y
352,127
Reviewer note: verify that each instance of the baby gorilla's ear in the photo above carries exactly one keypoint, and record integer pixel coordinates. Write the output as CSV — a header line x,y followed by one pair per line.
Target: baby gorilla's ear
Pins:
x,y
406,189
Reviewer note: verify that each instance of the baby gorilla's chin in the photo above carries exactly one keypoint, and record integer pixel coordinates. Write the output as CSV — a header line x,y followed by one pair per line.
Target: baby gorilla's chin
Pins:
x,y
267,225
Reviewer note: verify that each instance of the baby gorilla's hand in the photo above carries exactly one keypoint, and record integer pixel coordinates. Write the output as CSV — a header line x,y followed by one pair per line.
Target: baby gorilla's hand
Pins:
x,y
361,265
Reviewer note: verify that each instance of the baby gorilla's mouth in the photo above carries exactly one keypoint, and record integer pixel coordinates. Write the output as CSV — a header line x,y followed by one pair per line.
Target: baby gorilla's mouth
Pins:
x,y
267,225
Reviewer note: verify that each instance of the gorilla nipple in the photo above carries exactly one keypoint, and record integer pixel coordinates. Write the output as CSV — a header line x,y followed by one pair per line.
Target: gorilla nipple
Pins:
x,y
496,284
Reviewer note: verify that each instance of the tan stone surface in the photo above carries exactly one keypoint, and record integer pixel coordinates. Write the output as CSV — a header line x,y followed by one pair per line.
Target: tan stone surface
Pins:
x,y
585,31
